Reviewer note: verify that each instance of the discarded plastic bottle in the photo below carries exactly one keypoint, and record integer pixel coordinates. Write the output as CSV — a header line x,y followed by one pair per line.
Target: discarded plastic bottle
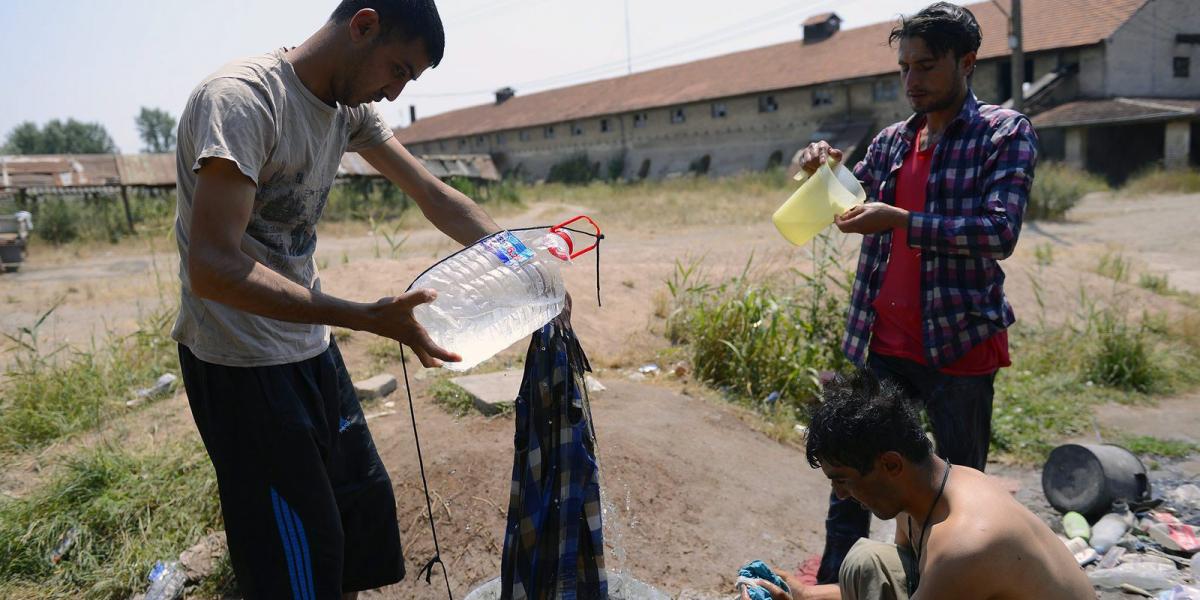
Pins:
x,y
64,545
1111,527
497,291
1075,526
1149,576
167,581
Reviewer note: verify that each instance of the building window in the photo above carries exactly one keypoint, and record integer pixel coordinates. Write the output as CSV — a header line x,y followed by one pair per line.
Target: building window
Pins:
x,y
462,142
767,104
500,139
523,135
639,119
548,132
719,111
604,126
442,145
479,140
678,116
1183,66
822,97
885,90
576,129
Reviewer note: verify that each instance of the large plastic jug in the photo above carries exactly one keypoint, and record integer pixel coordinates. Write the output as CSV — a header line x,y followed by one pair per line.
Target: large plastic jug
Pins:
x,y
827,193
497,291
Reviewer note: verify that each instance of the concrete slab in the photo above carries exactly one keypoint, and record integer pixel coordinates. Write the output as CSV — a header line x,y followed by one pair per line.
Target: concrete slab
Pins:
x,y
490,392
378,386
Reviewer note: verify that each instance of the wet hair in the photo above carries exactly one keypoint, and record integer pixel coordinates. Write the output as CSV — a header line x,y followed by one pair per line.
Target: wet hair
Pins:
x,y
944,27
409,19
860,418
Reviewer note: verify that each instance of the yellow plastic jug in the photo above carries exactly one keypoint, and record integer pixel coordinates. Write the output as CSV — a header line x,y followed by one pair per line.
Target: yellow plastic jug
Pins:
x,y
830,191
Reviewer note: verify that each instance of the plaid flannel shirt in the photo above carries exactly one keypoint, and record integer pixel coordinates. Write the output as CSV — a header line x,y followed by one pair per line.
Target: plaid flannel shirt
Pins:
x,y
978,187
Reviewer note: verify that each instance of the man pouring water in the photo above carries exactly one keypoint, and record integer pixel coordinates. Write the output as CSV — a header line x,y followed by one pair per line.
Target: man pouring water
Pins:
x,y
946,192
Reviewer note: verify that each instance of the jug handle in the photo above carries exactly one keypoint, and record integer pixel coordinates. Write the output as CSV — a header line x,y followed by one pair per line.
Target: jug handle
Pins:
x,y
803,175
556,229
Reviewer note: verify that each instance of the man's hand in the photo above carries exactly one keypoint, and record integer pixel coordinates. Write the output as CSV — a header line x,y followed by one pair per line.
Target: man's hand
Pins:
x,y
776,592
872,217
817,153
393,318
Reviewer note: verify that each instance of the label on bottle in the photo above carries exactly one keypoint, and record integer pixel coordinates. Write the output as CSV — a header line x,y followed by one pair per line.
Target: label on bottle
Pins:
x,y
510,250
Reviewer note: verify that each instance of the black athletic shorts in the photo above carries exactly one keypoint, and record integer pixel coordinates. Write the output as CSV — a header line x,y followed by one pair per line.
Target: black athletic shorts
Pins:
x,y
308,506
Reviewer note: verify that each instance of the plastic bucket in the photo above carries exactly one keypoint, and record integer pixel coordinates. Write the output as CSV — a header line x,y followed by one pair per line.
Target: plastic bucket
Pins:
x,y
825,194
1087,478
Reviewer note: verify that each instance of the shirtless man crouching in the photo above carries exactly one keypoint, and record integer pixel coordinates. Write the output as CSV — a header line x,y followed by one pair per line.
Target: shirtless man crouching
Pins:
x,y
959,534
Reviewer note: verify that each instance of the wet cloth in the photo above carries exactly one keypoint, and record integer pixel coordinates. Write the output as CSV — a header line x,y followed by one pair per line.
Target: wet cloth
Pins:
x,y
756,569
878,571
554,543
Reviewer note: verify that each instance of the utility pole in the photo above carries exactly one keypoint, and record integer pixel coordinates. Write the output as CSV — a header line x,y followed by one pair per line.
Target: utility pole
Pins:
x,y
628,46
1018,57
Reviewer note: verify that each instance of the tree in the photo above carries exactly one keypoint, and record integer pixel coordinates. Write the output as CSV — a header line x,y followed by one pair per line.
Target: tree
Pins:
x,y
157,129
58,137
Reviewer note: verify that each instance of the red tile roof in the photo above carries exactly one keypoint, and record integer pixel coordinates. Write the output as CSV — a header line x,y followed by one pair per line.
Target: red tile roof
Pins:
x,y
1117,110
849,54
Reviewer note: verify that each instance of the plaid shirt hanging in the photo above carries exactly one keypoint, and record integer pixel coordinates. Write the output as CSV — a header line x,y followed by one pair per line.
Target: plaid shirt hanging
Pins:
x,y
554,543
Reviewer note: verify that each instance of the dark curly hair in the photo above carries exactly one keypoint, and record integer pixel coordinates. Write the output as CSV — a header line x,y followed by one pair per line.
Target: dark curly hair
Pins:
x,y
410,19
858,419
944,27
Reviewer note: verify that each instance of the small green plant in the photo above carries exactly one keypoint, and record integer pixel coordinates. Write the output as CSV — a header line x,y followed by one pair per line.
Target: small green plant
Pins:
x,y
57,223
1123,357
452,397
1158,284
464,185
1044,253
1114,266
1057,188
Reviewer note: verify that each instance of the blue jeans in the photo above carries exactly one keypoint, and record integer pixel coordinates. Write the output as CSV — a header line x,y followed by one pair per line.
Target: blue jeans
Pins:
x,y
960,411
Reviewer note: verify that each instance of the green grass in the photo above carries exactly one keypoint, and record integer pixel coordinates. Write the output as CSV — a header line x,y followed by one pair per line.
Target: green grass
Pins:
x,y
129,509
63,219
763,338
1115,267
1153,446
1162,181
1159,284
1057,188
51,394
452,397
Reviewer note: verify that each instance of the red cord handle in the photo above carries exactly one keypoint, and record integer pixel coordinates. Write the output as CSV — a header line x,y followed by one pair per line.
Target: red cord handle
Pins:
x,y
571,247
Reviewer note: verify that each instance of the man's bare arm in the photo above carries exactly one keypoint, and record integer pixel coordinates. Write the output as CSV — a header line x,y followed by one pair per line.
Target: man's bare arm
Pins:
x,y
448,209
220,271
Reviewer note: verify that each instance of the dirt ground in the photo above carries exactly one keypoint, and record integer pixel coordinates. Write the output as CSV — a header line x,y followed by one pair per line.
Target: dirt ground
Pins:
x,y
693,487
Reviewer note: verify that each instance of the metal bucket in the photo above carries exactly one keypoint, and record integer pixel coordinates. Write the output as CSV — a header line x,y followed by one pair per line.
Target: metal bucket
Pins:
x,y
1087,478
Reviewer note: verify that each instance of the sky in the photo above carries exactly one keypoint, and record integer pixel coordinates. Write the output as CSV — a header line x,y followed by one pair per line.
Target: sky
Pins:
x,y
102,60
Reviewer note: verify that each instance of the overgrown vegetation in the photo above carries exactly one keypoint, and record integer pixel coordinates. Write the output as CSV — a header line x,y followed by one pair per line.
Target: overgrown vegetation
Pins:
x,y
1060,372
763,338
129,510
52,393
96,217
451,397
1057,188
1163,181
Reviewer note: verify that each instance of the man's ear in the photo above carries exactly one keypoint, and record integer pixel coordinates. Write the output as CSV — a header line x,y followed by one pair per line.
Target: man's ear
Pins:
x,y
364,25
967,63
891,463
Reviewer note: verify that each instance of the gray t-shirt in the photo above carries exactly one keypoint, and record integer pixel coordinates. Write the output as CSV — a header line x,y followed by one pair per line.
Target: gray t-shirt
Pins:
x,y
257,113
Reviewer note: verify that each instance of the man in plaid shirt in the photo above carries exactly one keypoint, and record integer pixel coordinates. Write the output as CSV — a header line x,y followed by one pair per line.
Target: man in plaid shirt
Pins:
x,y
946,192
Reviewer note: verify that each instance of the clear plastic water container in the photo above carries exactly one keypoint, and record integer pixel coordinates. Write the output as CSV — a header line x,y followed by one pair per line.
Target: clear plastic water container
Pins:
x,y
497,291
823,195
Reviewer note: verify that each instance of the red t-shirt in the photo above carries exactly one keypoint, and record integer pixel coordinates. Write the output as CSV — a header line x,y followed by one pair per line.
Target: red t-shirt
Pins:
x,y
897,329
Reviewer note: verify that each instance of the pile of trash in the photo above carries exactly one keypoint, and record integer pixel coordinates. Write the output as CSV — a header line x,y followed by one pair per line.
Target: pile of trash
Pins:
x,y
1126,536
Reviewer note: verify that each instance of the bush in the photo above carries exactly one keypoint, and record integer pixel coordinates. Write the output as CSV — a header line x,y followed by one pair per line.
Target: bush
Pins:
x,y
616,167
764,340
1057,188
365,198
56,222
1163,181
1123,357
576,170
